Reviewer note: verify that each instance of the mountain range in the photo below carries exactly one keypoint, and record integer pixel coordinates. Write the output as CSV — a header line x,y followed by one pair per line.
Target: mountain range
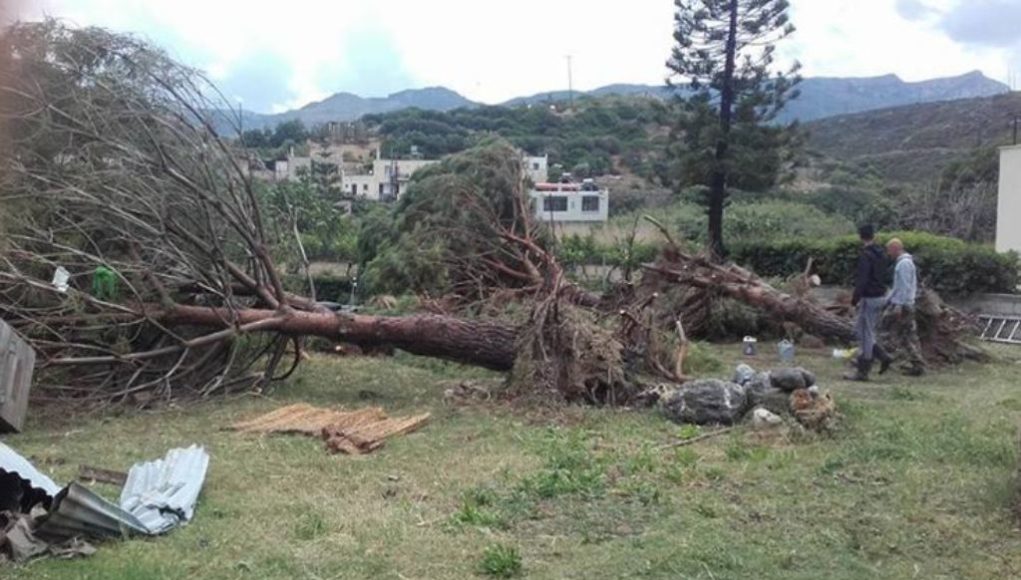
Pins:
x,y
821,97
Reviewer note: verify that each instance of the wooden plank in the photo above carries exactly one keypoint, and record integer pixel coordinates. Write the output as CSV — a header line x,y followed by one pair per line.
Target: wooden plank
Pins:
x,y
87,473
5,355
17,363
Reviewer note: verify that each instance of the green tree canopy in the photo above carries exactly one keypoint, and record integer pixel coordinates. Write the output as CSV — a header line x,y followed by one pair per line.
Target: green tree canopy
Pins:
x,y
723,59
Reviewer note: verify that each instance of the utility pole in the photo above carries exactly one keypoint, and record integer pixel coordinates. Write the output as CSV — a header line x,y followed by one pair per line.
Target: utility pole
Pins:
x,y
570,82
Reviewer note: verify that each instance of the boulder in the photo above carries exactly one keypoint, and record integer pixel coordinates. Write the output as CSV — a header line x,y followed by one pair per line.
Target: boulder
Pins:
x,y
706,402
762,394
790,380
743,374
762,418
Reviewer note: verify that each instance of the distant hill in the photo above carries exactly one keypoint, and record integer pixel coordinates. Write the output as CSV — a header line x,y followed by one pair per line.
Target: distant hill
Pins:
x,y
341,107
823,97
913,143
820,98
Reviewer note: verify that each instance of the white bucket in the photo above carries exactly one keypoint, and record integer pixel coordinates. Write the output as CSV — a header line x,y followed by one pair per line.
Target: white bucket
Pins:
x,y
750,346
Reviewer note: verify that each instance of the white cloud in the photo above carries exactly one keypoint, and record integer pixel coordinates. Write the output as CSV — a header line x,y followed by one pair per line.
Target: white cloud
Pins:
x,y
871,37
282,54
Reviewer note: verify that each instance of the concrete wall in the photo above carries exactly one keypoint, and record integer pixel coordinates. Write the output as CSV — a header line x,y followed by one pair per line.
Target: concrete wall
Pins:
x,y
574,206
994,304
360,186
537,168
1008,221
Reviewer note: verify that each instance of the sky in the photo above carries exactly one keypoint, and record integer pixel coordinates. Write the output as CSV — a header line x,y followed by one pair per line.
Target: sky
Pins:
x,y
273,56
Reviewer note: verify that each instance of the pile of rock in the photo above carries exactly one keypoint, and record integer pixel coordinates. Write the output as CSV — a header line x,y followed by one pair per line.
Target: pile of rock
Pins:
x,y
762,397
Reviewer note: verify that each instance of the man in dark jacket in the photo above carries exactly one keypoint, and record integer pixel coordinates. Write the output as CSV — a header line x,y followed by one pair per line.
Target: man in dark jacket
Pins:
x,y
870,299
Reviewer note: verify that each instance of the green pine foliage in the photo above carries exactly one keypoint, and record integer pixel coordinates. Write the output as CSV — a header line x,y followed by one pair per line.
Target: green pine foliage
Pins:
x,y
725,135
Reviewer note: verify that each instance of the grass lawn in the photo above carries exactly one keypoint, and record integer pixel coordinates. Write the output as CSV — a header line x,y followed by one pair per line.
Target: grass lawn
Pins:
x,y
918,484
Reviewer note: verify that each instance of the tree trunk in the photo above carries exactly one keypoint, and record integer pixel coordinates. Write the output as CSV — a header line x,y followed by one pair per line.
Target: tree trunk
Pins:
x,y
718,183
740,285
486,344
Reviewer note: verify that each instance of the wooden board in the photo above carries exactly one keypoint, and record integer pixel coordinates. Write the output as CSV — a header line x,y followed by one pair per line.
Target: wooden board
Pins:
x,y
17,362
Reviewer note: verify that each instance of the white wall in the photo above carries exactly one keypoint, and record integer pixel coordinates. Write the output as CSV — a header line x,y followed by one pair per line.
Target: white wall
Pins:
x,y
1008,216
366,186
575,211
537,168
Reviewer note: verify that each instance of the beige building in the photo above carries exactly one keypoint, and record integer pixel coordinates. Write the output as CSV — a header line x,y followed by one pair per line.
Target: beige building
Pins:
x,y
536,168
1008,222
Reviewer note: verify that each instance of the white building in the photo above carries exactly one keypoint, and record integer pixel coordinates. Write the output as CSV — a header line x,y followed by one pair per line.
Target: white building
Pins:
x,y
536,168
290,169
386,181
393,175
570,203
1008,222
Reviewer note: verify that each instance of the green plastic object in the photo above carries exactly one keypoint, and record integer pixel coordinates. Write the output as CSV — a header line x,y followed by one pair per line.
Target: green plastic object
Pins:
x,y
104,283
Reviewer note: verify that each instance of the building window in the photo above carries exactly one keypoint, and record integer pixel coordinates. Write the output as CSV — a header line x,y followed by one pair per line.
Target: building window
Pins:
x,y
554,203
590,203
535,166
365,188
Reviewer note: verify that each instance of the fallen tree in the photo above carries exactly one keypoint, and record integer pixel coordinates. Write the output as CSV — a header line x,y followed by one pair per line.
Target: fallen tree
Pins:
x,y
942,329
141,258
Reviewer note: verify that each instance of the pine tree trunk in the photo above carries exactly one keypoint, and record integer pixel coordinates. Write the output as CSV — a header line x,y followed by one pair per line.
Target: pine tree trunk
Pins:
x,y
486,344
718,184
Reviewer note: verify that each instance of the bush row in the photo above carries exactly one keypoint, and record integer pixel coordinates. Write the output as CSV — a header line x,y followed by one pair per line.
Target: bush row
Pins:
x,y
947,265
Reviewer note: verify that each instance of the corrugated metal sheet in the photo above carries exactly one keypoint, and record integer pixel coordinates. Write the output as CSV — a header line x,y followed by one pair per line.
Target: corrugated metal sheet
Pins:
x,y
157,497
77,511
162,493
21,484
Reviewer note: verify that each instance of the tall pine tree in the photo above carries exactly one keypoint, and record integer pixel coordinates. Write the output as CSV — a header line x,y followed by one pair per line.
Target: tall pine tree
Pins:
x,y
722,66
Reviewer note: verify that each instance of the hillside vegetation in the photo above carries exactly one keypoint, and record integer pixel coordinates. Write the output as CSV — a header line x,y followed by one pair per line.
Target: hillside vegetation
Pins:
x,y
597,137
913,143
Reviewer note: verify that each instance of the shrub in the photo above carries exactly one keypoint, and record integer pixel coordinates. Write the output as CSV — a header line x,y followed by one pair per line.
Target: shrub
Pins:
x,y
767,220
332,288
500,561
947,265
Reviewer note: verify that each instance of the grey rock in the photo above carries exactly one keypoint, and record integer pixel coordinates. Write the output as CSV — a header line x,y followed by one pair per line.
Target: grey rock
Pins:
x,y
763,418
705,402
809,377
762,393
743,374
792,379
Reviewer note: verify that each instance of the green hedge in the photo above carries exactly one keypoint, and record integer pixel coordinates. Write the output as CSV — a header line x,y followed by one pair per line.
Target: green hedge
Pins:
x,y
947,265
576,250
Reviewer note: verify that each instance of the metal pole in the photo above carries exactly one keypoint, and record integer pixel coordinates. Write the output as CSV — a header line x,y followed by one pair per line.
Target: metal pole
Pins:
x,y
1015,128
570,82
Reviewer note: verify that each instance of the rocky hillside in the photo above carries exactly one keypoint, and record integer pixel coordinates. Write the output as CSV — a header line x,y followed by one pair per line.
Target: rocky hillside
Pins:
x,y
913,143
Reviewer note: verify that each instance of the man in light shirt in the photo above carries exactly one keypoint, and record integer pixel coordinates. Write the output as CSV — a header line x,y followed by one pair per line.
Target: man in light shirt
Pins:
x,y
902,304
